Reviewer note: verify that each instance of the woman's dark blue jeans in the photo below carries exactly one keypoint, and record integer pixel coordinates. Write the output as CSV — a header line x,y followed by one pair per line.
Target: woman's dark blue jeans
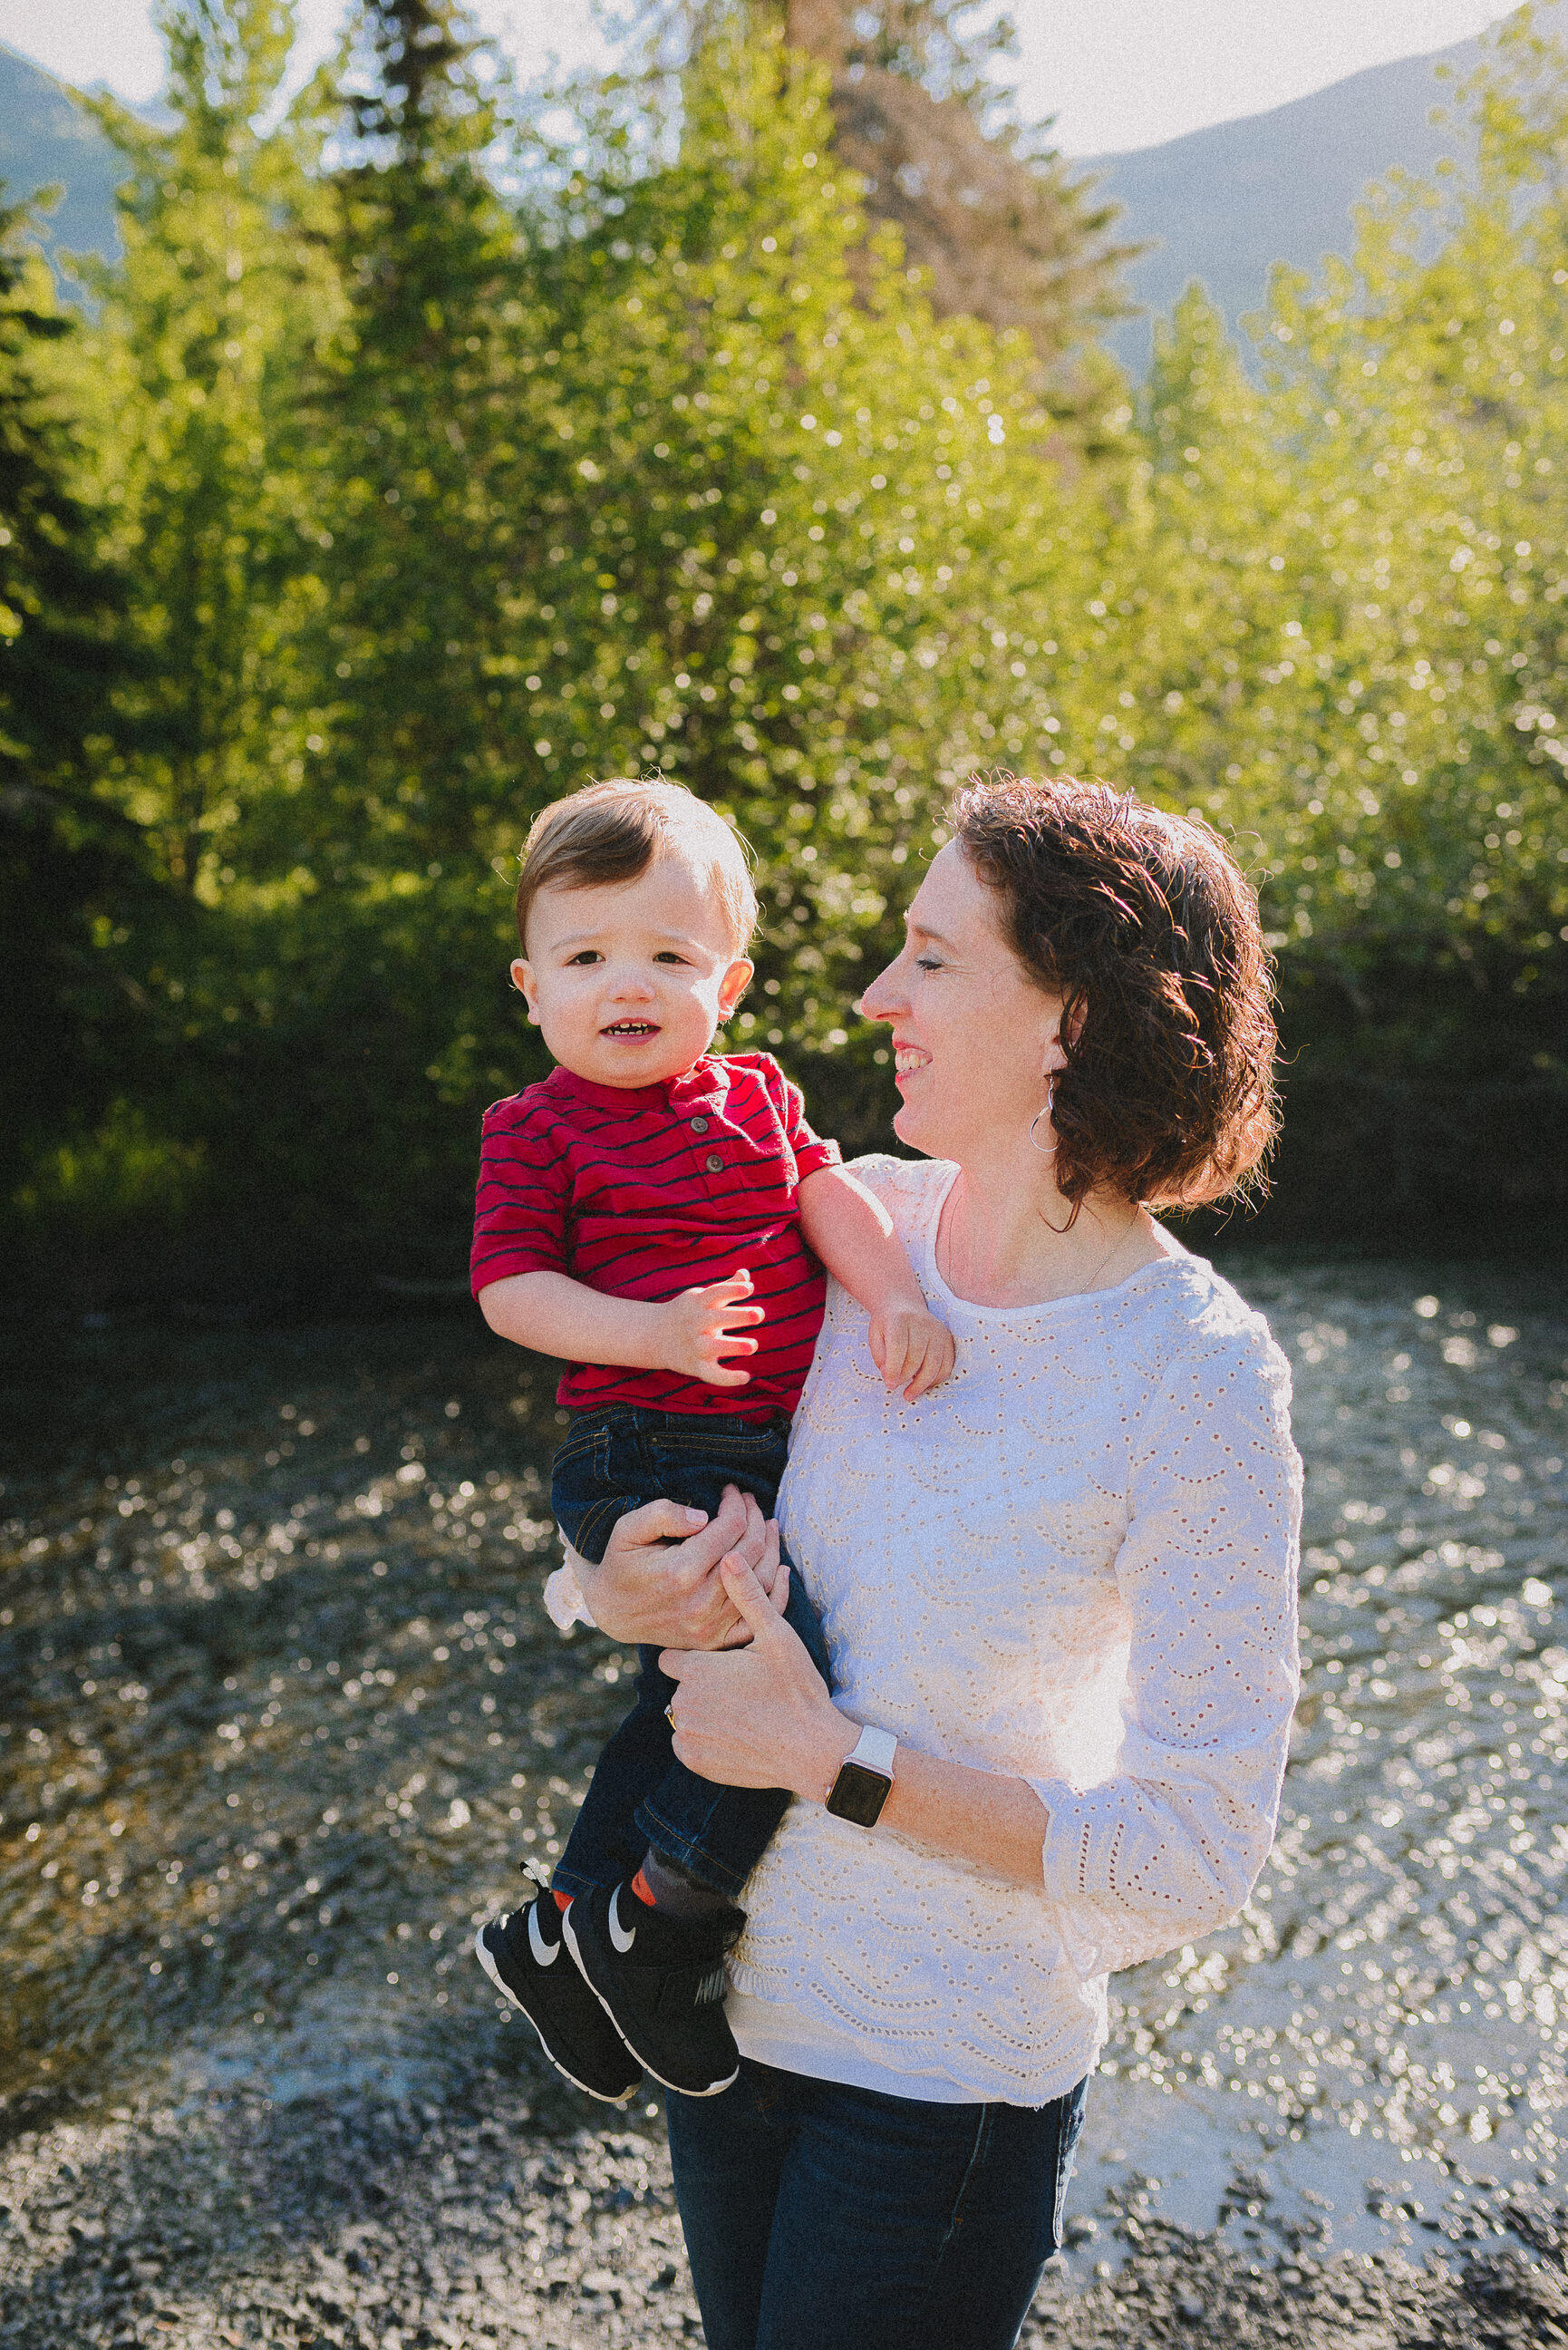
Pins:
x,y
614,1460
819,2217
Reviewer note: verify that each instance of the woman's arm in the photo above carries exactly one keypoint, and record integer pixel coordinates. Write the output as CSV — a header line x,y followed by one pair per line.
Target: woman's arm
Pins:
x,y
760,1717
1171,1844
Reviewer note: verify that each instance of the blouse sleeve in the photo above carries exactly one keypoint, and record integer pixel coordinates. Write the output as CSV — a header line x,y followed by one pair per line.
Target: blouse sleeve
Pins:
x,y
1170,1845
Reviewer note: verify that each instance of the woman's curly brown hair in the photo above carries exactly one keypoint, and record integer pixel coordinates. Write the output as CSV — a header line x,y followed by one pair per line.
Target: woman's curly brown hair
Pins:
x,y
1147,927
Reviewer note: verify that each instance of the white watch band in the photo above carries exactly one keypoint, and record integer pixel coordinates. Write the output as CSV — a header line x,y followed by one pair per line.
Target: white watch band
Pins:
x,y
876,1749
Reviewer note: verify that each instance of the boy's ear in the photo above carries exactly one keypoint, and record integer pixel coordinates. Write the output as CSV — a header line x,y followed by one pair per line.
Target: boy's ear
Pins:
x,y
522,981
734,985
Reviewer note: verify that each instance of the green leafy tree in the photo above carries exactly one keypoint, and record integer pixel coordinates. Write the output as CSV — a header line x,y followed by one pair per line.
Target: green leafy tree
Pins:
x,y
449,465
655,477
188,374
789,525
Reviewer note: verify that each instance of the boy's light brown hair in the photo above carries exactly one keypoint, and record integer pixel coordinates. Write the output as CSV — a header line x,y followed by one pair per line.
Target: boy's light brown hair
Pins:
x,y
613,831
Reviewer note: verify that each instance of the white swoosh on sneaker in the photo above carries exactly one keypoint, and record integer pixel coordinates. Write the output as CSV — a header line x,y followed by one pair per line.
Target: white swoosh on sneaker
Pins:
x,y
544,1953
623,1937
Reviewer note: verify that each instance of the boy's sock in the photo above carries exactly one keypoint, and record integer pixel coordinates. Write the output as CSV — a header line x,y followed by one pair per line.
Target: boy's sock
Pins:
x,y
672,1890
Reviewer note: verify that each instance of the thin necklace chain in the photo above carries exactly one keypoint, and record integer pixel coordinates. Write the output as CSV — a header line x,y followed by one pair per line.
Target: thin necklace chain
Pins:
x,y
1117,1244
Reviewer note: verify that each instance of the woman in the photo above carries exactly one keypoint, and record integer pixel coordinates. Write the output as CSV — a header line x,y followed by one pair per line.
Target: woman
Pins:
x,y
1063,1583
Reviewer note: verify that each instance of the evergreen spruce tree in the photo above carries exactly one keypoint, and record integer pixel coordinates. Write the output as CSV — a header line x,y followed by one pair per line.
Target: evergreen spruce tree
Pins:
x,y
195,351
423,407
983,203
69,860
58,657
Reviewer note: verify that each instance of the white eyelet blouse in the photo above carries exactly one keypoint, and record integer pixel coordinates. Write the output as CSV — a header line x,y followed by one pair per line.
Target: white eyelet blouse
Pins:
x,y
1074,1563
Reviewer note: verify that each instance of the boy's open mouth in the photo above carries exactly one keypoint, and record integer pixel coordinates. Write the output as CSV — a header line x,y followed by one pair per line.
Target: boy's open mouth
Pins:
x,y
630,1028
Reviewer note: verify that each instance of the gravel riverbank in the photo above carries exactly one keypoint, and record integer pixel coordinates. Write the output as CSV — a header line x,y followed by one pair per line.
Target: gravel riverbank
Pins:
x,y
280,1713
487,2223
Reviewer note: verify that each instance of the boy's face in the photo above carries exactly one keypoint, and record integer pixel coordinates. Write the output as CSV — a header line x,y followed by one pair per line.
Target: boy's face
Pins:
x,y
627,980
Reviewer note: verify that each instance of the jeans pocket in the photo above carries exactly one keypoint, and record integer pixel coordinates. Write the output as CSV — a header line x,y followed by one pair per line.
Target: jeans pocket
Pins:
x,y
749,1444
740,1459
584,1451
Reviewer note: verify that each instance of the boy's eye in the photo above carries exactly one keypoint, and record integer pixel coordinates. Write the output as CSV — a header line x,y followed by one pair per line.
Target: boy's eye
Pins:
x,y
667,955
584,955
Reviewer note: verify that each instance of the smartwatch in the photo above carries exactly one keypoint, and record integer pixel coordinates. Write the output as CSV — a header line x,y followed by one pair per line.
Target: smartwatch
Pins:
x,y
864,1776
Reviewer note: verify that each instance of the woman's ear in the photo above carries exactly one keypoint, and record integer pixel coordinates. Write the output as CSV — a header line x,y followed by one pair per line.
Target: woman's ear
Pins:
x,y
522,981
1055,1059
1068,1016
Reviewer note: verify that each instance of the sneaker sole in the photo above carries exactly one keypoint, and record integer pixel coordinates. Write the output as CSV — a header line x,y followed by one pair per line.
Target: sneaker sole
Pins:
x,y
717,2087
602,2095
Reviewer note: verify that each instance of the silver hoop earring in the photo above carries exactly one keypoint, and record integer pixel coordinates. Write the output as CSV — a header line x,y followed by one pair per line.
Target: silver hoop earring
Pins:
x,y
1046,1113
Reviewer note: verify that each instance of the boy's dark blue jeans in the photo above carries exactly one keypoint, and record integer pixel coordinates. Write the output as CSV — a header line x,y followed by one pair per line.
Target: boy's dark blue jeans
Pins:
x,y
614,1460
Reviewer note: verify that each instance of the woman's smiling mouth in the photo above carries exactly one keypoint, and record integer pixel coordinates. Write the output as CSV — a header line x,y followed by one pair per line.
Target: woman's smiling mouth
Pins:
x,y
907,1058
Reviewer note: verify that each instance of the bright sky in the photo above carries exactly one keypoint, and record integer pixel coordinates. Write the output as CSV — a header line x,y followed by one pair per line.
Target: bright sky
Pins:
x,y
1115,72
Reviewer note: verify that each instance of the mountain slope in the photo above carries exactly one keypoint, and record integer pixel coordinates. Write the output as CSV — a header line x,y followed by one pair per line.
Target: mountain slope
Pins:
x,y
1219,205
1223,205
47,139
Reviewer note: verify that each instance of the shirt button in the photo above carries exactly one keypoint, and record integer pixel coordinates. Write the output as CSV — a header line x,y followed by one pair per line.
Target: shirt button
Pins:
x,y
698,1126
714,1163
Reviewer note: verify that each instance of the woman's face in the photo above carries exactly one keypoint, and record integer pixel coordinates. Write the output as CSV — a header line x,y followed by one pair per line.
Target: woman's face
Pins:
x,y
974,1039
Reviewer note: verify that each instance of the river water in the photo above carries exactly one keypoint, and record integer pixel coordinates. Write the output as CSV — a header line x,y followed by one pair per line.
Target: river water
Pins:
x,y
280,1711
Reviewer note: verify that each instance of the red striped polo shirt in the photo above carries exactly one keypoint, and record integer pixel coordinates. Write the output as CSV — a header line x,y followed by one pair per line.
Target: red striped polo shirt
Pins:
x,y
645,1191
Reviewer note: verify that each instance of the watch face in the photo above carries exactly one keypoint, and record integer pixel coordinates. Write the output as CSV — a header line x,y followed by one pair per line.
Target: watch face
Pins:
x,y
859,1794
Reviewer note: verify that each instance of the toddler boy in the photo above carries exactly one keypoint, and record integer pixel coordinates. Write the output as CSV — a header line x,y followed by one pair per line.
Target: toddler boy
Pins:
x,y
641,1212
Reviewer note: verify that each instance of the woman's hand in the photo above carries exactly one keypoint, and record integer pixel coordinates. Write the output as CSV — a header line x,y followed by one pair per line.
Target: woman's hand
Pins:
x,y
659,1581
761,1716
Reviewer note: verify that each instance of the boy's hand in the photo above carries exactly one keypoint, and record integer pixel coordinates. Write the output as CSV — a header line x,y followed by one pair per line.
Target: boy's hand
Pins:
x,y
912,1348
696,1327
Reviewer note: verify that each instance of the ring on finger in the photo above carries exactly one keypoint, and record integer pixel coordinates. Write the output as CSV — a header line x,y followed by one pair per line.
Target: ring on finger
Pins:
x,y
669,1713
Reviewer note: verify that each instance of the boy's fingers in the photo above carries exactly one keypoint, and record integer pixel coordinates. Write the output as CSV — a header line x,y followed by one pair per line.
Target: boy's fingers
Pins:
x,y
931,1360
738,1317
735,1285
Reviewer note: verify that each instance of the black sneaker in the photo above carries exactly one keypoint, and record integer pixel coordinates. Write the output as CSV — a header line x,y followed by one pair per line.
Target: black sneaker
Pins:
x,y
524,1957
660,1981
